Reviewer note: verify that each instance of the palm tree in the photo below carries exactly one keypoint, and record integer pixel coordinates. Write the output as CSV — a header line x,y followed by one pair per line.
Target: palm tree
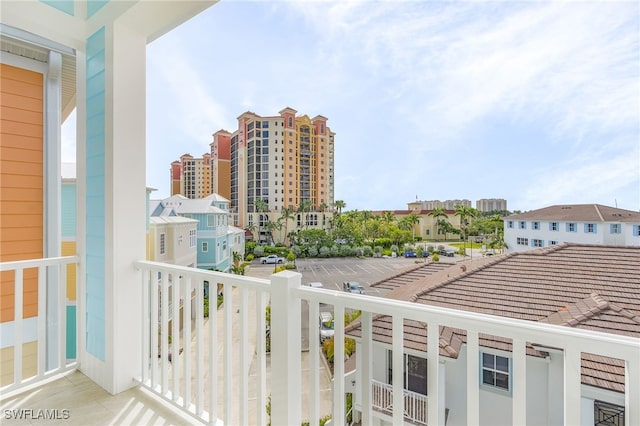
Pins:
x,y
260,206
387,217
413,219
304,208
464,212
285,215
436,214
339,204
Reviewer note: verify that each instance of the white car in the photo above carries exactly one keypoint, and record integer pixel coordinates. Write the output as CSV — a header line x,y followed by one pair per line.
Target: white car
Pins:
x,y
316,285
326,326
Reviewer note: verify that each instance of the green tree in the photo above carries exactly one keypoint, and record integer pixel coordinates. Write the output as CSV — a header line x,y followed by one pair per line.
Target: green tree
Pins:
x,y
286,214
260,207
339,204
436,214
465,214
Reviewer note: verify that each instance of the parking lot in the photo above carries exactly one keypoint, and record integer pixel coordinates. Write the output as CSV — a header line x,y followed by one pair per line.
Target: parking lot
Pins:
x,y
333,272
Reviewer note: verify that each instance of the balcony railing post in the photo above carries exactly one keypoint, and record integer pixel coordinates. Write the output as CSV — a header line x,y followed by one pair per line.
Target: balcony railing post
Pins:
x,y
285,349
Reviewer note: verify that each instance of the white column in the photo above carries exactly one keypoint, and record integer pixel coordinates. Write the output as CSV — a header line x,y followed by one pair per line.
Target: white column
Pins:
x,y
433,373
572,384
519,399
52,185
124,204
366,367
285,349
473,398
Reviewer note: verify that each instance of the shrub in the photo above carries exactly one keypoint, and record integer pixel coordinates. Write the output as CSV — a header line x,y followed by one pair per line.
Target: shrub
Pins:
x,y
313,252
297,251
291,257
325,251
249,257
435,257
258,251
394,248
367,251
335,251
430,249
440,247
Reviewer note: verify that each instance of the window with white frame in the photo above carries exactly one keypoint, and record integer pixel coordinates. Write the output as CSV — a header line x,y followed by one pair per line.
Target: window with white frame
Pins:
x,y
162,243
522,241
205,246
211,220
554,226
496,371
615,228
522,225
192,238
535,225
537,243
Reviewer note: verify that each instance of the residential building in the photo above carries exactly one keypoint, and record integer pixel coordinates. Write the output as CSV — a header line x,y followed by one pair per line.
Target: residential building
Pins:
x,y
214,238
194,174
437,204
539,286
221,164
576,223
491,205
269,163
173,239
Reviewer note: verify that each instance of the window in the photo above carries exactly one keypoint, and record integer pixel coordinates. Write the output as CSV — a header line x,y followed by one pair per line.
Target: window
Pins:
x,y
537,243
590,228
162,243
553,243
522,225
495,371
636,230
572,227
553,226
205,246
211,222
522,241
615,228
192,238
510,224
414,374
606,414
535,225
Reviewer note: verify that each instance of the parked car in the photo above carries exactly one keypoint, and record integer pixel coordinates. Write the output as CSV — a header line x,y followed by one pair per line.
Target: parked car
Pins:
x,y
352,287
409,253
448,253
316,285
326,326
272,258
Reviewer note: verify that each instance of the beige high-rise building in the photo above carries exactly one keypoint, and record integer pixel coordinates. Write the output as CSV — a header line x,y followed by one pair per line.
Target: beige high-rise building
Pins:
x,y
267,164
491,204
191,176
283,161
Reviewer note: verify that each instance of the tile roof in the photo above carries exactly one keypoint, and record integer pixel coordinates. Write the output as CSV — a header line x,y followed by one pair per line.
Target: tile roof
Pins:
x,y
592,287
579,213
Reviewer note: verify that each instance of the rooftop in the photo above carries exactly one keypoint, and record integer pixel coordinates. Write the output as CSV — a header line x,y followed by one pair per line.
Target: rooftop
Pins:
x,y
580,213
589,287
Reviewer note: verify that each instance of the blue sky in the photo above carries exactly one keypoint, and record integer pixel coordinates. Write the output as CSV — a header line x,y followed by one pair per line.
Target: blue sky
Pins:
x,y
534,102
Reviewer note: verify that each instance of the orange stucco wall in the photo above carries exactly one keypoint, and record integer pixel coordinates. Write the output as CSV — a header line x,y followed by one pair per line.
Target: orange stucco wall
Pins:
x,y
21,182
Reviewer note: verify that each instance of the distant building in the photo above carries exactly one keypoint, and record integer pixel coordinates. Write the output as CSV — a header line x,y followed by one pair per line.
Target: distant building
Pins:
x,y
573,223
491,204
192,176
269,164
173,239
437,204
221,164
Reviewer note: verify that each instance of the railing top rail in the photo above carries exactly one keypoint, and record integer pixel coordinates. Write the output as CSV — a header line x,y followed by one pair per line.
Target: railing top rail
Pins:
x,y
550,335
36,263
237,280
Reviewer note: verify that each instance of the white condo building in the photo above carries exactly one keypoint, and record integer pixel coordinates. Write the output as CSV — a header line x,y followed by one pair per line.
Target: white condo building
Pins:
x,y
572,223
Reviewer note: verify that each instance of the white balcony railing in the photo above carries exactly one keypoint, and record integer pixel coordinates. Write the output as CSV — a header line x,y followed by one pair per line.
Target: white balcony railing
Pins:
x,y
210,380
415,404
49,323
